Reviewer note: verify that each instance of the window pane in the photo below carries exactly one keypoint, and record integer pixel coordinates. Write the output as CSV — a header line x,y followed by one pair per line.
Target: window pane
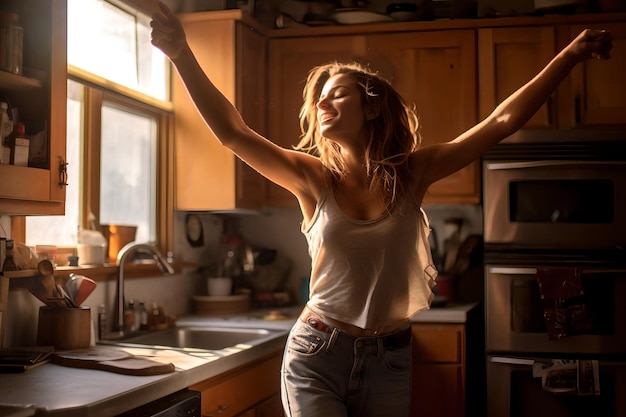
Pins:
x,y
153,66
115,44
128,170
61,230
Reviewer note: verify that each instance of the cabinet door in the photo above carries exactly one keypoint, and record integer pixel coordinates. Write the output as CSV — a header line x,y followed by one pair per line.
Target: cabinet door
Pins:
x,y
27,190
205,170
290,61
251,95
438,384
436,71
598,87
437,391
507,59
208,175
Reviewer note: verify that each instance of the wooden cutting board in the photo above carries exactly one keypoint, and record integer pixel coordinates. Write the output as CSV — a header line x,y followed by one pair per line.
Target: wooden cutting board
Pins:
x,y
112,360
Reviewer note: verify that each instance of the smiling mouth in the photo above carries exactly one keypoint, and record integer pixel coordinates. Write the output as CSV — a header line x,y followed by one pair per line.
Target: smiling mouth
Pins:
x,y
326,117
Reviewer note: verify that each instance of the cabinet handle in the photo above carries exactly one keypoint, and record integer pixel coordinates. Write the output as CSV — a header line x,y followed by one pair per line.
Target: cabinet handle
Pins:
x,y
220,410
63,173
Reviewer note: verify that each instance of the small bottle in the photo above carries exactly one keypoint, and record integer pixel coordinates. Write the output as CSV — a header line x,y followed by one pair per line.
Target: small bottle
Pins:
x,y
129,316
156,317
9,263
102,321
6,129
20,145
142,316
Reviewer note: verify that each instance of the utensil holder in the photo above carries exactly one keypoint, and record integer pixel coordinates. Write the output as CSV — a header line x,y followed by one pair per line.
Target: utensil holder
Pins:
x,y
64,328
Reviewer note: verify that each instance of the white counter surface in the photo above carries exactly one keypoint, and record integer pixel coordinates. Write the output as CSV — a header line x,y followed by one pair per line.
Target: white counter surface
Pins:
x,y
62,391
453,313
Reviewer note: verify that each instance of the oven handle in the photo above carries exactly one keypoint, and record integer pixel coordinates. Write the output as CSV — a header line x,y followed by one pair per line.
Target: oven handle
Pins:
x,y
533,271
512,271
493,166
511,361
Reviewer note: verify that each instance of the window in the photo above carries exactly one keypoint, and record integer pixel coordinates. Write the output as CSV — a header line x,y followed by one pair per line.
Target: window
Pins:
x,y
113,42
117,128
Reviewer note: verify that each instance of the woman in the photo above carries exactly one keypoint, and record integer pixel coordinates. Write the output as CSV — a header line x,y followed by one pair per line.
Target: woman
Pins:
x,y
359,176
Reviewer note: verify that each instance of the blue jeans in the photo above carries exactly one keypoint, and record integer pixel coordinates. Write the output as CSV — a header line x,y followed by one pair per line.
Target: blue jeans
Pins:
x,y
336,374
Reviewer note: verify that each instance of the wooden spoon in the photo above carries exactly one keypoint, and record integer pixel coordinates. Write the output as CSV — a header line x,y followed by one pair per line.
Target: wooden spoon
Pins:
x,y
46,269
43,285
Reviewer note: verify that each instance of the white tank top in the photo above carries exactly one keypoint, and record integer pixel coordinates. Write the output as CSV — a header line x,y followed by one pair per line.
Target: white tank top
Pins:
x,y
369,273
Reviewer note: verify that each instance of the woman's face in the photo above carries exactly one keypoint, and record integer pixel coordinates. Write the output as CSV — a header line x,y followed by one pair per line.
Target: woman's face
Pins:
x,y
340,109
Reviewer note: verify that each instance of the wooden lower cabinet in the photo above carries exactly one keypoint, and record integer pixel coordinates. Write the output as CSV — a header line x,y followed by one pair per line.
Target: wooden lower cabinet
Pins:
x,y
449,368
252,390
438,388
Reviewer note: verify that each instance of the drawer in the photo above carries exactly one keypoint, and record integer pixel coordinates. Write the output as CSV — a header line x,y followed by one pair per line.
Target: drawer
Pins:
x,y
235,392
438,343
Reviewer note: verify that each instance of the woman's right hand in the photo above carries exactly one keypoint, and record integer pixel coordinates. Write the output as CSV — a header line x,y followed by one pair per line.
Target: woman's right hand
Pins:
x,y
167,32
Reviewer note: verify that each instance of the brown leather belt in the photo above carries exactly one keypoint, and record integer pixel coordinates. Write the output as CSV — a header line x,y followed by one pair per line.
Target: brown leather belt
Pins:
x,y
397,340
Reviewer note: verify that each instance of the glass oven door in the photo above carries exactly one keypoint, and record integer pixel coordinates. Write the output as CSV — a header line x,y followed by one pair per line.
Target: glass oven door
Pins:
x,y
515,320
514,390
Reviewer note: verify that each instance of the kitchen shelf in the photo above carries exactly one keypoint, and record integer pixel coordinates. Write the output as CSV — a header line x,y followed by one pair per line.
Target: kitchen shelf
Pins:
x,y
14,82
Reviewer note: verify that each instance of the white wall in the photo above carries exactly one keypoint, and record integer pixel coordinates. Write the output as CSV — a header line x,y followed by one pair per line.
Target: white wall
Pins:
x,y
276,228
280,229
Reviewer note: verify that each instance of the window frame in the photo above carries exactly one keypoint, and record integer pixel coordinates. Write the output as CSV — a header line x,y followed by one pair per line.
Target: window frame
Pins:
x,y
96,91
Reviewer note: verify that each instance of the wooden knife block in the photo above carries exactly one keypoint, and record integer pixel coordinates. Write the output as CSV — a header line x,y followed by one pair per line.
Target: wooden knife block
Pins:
x,y
64,328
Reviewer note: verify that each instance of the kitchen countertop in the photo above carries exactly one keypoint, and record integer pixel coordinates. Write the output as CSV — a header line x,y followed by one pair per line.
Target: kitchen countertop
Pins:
x,y
449,313
62,391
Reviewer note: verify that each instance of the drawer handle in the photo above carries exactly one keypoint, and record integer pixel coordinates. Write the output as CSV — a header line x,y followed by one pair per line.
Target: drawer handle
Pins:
x,y
220,410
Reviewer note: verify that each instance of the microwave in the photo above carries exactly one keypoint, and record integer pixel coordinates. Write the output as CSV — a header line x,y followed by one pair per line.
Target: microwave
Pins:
x,y
553,203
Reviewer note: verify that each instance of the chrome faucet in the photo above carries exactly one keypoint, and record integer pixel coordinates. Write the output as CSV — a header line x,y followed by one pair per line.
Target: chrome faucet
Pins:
x,y
122,257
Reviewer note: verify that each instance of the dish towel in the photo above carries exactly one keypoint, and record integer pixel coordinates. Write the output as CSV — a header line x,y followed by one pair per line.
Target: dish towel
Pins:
x,y
563,301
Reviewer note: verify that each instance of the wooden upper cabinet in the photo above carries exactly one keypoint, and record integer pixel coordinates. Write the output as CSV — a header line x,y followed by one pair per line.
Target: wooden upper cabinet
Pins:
x,y
598,88
435,71
39,190
290,61
208,175
507,59
592,96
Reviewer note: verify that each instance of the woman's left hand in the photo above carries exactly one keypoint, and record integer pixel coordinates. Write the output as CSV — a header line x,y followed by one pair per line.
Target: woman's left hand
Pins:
x,y
591,43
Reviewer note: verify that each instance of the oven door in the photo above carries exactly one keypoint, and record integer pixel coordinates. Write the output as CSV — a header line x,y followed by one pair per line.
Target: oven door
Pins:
x,y
513,391
555,204
515,321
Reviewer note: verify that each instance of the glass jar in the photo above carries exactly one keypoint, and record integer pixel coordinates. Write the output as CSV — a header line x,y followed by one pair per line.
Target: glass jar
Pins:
x,y
11,43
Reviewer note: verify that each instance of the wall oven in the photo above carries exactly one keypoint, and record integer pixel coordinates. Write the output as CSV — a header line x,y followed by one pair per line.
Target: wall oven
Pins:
x,y
555,277
521,393
556,196
515,313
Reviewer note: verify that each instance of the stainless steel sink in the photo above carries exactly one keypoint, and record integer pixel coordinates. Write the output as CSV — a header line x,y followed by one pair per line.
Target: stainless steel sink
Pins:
x,y
198,337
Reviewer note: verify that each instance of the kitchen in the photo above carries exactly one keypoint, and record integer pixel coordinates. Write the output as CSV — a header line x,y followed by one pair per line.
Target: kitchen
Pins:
x,y
262,229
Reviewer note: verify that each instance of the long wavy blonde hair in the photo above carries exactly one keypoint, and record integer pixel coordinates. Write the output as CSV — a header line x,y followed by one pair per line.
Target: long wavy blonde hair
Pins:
x,y
390,137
